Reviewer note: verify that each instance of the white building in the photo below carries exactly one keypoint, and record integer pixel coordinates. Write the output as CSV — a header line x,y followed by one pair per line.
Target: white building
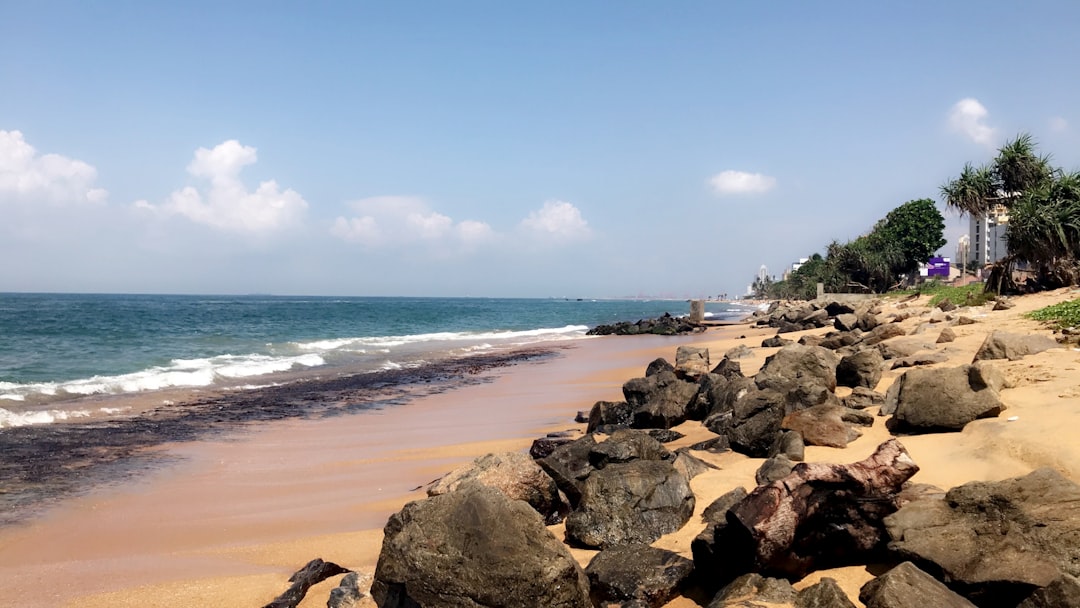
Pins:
x,y
987,232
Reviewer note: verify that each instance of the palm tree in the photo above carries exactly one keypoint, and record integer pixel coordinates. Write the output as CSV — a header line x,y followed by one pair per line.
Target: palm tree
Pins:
x,y
1018,168
973,192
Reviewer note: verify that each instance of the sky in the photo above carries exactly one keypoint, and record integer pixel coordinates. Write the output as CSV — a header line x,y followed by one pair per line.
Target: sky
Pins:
x,y
505,149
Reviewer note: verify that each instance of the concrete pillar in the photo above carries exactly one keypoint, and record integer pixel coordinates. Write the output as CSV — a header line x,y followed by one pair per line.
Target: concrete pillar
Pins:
x,y
820,291
697,311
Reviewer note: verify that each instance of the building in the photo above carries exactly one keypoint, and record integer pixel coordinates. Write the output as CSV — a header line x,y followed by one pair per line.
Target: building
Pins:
x,y
987,232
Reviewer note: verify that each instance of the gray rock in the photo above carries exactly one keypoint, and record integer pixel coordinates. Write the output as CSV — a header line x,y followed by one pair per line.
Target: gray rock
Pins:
x,y
790,444
639,572
905,586
995,542
1004,345
717,510
1064,592
753,423
862,398
569,465
633,502
658,365
514,474
919,360
728,368
659,401
754,590
665,435
944,398
860,369
821,425
946,335
775,341
691,362
347,594
882,333
619,413
689,465
738,352
716,445
625,445
846,322
773,469
825,594
474,548
797,364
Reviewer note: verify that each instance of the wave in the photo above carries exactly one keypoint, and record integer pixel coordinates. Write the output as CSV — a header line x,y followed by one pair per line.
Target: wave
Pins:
x,y
363,344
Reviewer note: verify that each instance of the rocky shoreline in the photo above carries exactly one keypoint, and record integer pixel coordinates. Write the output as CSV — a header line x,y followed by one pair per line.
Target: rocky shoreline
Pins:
x,y
582,520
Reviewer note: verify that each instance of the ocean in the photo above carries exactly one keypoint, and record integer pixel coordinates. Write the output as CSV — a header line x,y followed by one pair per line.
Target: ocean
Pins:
x,y
61,354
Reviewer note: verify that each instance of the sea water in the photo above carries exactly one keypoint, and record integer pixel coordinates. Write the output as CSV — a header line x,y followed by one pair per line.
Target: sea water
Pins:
x,y
58,349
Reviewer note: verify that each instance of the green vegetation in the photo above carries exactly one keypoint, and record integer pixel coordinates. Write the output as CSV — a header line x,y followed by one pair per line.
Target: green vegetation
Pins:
x,y
1064,314
1043,206
875,262
972,294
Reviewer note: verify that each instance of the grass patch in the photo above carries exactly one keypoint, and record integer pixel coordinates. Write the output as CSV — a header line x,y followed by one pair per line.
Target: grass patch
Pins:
x,y
968,295
1064,314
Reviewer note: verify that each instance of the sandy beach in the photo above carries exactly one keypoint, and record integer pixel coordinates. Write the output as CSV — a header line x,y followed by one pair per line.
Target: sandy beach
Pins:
x,y
231,518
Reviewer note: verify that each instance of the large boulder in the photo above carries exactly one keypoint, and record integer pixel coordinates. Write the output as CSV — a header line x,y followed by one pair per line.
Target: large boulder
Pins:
x,y
659,401
569,465
616,413
752,590
632,502
474,548
514,474
822,515
691,362
821,425
860,369
652,577
1004,345
826,593
625,445
1062,593
797,364
995,542
753,424
944,398
905,586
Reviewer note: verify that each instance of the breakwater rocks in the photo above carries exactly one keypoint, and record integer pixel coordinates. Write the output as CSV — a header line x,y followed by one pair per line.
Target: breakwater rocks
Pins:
x,y
480,539
666,325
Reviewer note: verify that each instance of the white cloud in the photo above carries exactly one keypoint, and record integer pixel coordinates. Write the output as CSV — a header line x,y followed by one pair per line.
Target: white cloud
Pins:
x,y
394,220
27,176
1059,124
226,204
741,182
558,220
968,117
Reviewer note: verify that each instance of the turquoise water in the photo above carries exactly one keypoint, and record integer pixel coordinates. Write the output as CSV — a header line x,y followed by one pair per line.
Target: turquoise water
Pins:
x,y
60,347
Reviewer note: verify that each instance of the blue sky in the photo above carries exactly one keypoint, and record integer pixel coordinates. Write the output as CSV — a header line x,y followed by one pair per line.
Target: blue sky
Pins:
x,y
496,148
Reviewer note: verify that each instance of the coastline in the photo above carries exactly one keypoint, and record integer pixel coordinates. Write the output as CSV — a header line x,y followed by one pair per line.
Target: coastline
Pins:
x,y
323,488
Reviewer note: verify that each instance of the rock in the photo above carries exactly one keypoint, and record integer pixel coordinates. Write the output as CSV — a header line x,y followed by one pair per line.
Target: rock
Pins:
x,y
797,364
867,322
474,548
995,542
514,474
691,362
862,397
837,340
821,425
544,446
720,395
619,413
1003,345
898,349
658,365
1064,592
754,422
637,572
659,401
625,445
633,502
728,368
568,465
347,594
790,444
937,316
858,417
738,352
825,594
665,435
836,308
315,572
860,369
962,320
920,359
1003,304
717,510
818,318
775,341
946,305
905,586
754,590
944,398
822,515
946,335
716,445
809,340
846,322
665,325
581,416
689,465
773,469
882,333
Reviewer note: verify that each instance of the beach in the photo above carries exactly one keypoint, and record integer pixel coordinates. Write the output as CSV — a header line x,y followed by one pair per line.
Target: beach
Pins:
x,y
230,517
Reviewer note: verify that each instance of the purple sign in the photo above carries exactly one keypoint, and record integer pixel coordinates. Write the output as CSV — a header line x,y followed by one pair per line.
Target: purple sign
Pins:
x,y
937,267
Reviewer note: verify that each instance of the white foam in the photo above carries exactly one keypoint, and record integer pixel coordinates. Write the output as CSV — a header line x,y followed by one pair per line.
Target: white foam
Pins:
x,y
389,342
12,419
